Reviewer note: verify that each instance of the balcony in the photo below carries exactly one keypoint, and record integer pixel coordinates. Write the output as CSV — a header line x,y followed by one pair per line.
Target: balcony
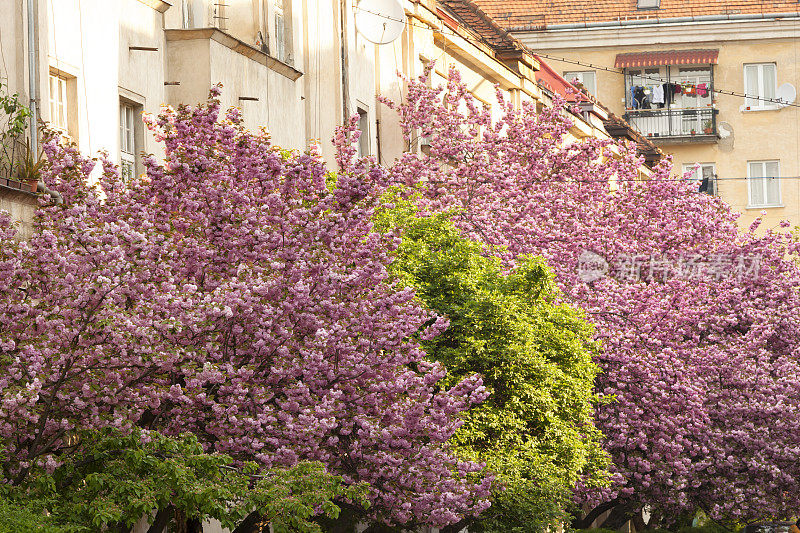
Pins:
x,y
675,126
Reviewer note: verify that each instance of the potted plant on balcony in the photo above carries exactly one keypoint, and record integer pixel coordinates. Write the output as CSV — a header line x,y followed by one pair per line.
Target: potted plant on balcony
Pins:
x,y
707,129
29,168
693,131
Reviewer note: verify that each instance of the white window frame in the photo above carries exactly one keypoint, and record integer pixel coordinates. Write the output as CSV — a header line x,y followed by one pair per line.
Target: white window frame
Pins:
x,y
648,4
570,75
687,167
697,174
127,140
764,181
59,104
363,125
756,104
186,14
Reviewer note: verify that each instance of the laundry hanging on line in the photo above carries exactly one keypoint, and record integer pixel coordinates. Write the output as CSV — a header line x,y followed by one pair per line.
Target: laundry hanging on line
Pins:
x,y
647,96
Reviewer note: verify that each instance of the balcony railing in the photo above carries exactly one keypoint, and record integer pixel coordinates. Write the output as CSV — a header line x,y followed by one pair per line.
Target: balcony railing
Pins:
x,y
685,124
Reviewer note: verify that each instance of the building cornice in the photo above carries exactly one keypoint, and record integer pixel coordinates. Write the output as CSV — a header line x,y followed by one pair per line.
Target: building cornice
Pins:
x,y
677,33
477,55
240,47
159,5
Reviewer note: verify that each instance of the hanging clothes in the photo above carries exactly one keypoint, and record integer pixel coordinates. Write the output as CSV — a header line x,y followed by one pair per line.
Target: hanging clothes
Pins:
x,y
658,95
641,98
667,90
634,103
702,90
689,89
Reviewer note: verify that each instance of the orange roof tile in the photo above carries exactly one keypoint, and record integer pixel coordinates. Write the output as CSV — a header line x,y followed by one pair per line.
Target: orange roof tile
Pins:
x,y
539,14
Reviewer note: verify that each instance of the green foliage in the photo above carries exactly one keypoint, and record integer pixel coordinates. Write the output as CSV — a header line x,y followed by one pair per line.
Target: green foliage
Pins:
x,y
13,123
30,165
535,354
114,479
24,517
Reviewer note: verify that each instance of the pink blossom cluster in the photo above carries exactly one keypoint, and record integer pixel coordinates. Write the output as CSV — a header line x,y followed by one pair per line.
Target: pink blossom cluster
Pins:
x,y
237,291
703,373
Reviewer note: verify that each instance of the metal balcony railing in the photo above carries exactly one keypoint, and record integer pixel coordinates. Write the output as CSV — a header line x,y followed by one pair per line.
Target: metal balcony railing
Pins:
x,y
675,123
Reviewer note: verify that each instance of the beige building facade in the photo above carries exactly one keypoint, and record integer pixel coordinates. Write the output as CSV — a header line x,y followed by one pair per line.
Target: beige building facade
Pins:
x,y
747,144
296,67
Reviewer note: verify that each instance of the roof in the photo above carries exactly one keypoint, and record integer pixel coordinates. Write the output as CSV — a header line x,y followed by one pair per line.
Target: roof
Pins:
x,y
549,79
468,15
540,14
473,17
618,128
667,57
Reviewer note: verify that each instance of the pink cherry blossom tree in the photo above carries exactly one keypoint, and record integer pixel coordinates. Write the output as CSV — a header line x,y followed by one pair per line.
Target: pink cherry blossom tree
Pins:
x,y
238,292
699,321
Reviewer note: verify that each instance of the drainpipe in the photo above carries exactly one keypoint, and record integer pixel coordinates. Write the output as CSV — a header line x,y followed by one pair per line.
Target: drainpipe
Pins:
x,y
345,62
33,70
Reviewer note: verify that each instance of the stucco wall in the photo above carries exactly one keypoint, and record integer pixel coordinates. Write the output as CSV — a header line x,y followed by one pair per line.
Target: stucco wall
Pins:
x,y
757,135
21,206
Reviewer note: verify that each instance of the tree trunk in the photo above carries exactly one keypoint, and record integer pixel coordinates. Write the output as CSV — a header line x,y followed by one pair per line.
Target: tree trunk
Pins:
x,y
619,516
594,514
251,524
638,522
194,525
163,516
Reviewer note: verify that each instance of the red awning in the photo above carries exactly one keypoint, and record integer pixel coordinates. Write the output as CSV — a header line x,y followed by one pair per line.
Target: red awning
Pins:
x,y
555,82
667,57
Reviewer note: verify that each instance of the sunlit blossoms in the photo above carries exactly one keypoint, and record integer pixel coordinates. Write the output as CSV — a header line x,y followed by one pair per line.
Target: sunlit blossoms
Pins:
x,y
236,291
702,369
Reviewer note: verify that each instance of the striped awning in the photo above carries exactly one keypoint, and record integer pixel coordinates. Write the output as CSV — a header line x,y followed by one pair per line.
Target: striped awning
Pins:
x,y
667,57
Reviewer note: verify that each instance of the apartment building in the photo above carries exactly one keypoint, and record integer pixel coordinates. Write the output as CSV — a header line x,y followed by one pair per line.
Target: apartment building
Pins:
x,y
669,67
458,33
90,68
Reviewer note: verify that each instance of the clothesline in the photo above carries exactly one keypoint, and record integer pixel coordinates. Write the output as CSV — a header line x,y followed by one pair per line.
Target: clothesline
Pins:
x,y
643,96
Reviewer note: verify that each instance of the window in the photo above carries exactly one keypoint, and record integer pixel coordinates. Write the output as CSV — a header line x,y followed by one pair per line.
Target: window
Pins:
x,y
760,80
280,32
186,14
703,175
586,78
763,178
697,98
363,126
127,141
219,14
648,4
58,103
282,29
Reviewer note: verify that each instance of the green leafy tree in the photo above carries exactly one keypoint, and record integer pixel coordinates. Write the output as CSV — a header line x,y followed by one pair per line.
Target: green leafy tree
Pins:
x,y
113,479
535,354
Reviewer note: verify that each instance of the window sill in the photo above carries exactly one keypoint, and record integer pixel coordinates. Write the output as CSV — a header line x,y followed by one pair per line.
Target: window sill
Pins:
x,y
776,206
743,109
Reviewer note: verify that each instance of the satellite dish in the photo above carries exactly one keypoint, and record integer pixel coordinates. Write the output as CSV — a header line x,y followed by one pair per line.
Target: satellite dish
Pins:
x,y
786,94
380,21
